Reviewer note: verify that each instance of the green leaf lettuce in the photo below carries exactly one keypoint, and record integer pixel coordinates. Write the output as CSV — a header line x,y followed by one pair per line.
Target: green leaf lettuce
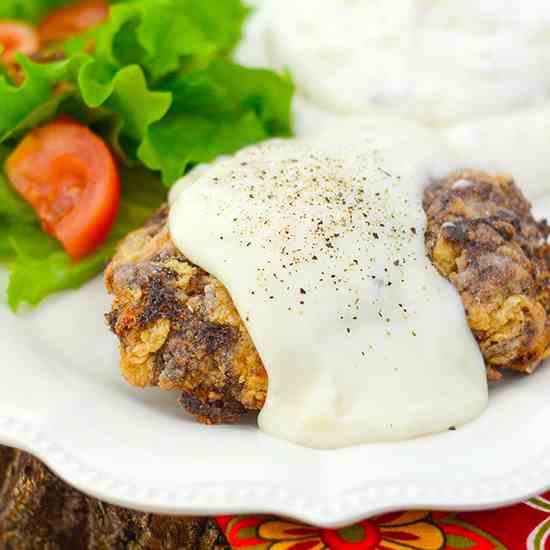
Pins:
x,y
160,88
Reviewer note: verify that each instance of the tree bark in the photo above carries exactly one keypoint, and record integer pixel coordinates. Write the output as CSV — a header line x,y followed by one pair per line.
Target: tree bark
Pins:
x,y
38,511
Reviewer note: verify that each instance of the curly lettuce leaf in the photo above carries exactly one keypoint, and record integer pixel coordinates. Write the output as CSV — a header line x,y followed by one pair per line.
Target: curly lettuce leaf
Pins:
x,y
40,267
159,34
39,97
216,111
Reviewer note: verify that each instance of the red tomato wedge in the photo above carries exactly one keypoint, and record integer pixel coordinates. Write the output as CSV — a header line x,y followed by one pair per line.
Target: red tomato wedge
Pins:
x,y
17,37
72,20
70,178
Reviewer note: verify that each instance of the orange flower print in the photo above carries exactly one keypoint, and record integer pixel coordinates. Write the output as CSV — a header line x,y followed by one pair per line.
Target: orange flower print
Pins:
x,y
398,531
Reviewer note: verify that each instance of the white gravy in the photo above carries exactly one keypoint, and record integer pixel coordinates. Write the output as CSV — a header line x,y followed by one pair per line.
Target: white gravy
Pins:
x,y
320,243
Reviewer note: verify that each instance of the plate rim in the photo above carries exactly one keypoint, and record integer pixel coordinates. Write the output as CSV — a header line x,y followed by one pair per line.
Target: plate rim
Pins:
x,y
234,498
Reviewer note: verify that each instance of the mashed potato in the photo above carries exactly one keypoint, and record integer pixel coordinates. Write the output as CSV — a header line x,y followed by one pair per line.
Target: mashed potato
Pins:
x,y
479,71
437,61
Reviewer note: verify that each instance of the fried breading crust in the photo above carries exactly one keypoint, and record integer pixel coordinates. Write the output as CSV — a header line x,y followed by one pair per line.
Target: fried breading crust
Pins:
x,y
482,237
178,327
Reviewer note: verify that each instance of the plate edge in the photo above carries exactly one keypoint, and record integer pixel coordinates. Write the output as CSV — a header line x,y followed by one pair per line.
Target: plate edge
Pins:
x,y
242,498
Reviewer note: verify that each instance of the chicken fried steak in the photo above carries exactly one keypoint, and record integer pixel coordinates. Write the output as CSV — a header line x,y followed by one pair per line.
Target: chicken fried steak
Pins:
x,y
482,237
178,328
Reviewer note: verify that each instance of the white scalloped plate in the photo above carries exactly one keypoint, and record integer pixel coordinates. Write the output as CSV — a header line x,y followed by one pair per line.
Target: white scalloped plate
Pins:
x,y
63,399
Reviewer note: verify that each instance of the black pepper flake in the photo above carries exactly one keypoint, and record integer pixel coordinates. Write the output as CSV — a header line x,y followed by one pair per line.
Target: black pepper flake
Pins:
x,y
375,235
302,291
452,428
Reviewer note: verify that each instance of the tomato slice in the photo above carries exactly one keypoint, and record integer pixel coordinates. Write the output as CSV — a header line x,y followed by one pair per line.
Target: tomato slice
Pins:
x,y
72,20
70,177
17,37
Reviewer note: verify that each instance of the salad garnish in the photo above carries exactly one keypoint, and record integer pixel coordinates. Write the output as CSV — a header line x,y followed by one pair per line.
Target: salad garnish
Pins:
x,y
147,84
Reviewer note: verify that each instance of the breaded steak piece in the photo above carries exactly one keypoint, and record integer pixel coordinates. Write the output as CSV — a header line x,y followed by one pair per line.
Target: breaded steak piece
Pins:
x,y
482,237
178,327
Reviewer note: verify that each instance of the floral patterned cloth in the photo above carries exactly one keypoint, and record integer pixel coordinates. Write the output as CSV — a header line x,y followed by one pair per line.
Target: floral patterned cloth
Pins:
x,y
518,527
